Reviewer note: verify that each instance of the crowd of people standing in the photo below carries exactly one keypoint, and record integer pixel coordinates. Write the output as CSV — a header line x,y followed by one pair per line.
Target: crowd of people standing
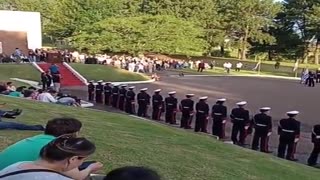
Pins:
x,y
125,99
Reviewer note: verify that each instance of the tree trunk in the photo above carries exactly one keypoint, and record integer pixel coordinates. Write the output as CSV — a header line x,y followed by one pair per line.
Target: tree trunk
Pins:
x,y
244,44
222,50
305,53
316,52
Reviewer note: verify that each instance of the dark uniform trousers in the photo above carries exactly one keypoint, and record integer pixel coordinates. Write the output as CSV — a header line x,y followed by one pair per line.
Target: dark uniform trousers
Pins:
x,y
218,127
201,122
289,130
186,119
170,116
90,92
312,161
130,107
99,91
260,136
107,95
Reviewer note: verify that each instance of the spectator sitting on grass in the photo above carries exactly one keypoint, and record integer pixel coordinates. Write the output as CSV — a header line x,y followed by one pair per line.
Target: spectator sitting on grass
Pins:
x,y
68,100
132,173
10,87
18,92
56,159
30,93
29,149
15,125
3,88
48,97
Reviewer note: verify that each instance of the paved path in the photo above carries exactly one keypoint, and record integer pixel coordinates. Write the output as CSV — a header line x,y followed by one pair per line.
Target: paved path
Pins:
x,y
282,95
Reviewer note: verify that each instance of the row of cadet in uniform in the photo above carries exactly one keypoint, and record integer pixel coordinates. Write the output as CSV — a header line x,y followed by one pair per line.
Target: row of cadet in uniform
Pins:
x,y
288,129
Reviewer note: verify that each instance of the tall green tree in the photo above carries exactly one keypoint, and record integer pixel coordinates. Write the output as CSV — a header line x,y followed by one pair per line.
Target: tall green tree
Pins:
x,y
250,20
161,34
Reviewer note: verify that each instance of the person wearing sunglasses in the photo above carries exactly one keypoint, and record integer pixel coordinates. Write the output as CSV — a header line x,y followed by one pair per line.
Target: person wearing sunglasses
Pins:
x,y
60,156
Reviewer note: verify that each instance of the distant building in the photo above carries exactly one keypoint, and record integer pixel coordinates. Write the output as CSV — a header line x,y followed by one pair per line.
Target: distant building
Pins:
x,y
21,30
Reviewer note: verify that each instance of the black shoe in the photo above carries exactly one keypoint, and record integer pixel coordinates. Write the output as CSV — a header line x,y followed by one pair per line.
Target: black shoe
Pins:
x,y
292,159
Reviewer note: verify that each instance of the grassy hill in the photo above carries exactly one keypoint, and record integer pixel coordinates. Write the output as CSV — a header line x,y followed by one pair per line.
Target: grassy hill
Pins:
x,y
23,71
122,140
100,72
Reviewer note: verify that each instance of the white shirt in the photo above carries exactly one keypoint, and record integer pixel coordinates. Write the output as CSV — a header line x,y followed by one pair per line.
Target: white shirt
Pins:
x,y
46,97
239,65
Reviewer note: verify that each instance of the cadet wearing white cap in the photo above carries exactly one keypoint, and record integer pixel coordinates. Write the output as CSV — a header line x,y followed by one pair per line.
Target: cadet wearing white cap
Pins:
x,y
289,131
91,89
157,105
240,120
99,91
107,93
186,107
115,95
202,115
143,99
122,97
219,115
130,107
263,127
171,106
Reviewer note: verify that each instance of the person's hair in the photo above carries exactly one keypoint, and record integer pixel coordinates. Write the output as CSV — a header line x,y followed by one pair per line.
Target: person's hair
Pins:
x,y
32,88
132,173
52,91
20,89
62,126
40,91
9,83
66,147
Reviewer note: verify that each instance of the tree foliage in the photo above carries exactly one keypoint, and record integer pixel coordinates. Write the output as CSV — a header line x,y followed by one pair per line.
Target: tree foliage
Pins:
x,y
289,29
161,34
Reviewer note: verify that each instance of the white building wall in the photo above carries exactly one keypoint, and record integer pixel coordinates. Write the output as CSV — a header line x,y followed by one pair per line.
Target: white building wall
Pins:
x,y
29,22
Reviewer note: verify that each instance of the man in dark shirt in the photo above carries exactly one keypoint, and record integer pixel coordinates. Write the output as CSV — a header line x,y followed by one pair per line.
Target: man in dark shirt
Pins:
x,y
91,89
130,101
186,107
115,95
219,115
157,105
240,120
289,131
122,97
202,115
263,127
143,99
171,104
107,93
99,90
56,79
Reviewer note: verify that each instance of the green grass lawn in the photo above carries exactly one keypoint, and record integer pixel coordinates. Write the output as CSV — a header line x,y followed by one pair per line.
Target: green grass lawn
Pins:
x,y
23,71
100,72
174,153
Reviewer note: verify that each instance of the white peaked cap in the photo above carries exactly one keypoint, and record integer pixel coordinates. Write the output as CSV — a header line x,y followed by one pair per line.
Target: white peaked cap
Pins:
x,y
100,81
143,89
203,98
157,90
293,112
242,103
172,92
91,81
123,85
222,99
131,87
265,108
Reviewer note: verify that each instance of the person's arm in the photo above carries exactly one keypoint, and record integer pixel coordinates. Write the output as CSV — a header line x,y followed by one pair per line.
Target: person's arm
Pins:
x,y
81,175
52,99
